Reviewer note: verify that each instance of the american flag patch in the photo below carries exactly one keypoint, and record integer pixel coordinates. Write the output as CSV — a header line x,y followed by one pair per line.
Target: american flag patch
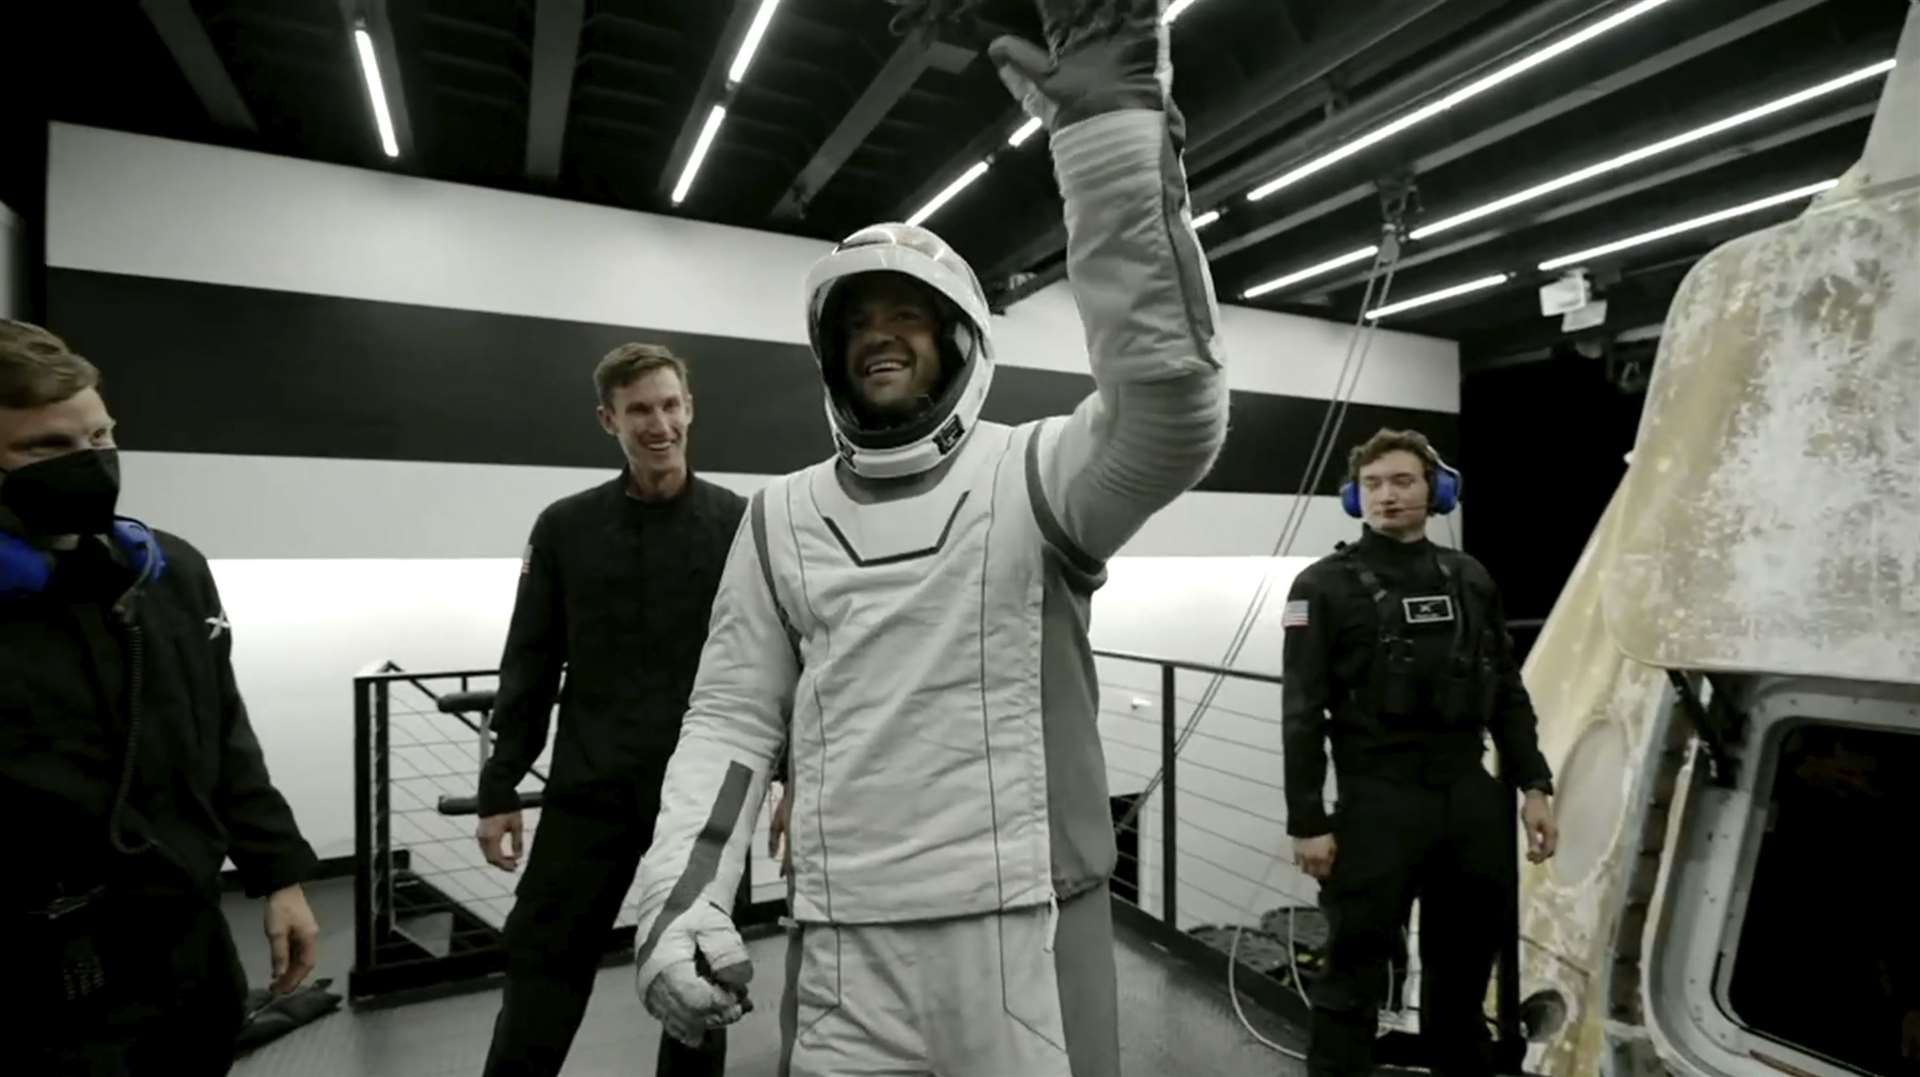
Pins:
x,y
1295,615
526,561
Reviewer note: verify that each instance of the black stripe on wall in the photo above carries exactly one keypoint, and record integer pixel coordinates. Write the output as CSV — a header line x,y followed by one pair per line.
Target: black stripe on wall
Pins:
x,y
210,368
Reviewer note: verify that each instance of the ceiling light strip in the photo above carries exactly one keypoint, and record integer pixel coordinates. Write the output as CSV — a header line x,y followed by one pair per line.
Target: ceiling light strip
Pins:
x,y
1657,234
1310,272
751,43
946,194
699,154
376,90
1465,93
1479,285
1653,149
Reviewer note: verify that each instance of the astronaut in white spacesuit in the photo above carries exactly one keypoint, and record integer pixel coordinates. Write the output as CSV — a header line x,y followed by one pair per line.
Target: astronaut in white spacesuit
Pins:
x,y
909,621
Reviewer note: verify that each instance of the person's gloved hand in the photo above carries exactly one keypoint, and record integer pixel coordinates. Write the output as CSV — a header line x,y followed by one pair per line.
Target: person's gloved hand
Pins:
x,y
1101,56
679,991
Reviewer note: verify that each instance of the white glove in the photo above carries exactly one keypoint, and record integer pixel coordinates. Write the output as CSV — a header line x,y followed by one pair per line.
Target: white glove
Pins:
x,y
677,990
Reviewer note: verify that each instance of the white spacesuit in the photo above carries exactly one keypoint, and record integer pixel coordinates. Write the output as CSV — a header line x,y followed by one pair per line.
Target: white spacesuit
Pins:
x,y
909,620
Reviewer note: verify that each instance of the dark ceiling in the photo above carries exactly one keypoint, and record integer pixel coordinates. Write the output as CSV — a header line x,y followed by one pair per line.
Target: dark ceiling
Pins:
x,y
841,120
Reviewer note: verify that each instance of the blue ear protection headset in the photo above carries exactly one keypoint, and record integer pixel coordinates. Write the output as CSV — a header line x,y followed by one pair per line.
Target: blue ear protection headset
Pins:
x,y
27,570
1443,480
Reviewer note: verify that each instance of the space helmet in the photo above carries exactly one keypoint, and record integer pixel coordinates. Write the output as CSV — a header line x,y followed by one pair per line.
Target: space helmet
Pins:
x,y
966,349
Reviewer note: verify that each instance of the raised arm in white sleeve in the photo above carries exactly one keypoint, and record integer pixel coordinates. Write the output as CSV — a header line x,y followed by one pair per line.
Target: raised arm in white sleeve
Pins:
x,y
735,725
1158,414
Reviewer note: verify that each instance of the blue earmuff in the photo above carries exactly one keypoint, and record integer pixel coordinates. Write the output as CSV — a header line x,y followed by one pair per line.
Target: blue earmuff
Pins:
x,y
1445,495
26,570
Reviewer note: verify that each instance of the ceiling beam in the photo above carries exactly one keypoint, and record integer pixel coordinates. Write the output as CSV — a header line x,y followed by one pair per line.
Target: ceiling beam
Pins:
x,y
711,91
917,52
556,53
1324,290
373,15
186,38
1228,129
1574,98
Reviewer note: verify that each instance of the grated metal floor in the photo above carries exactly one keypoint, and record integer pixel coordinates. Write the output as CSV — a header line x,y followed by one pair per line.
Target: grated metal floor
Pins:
x,y
1173,1020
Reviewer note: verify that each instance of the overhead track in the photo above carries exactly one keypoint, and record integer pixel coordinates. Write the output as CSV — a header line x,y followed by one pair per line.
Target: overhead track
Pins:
x,y
556,52
186,38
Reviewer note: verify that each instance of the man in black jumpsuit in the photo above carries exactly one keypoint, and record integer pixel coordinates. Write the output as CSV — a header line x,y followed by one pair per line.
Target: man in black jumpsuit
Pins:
x,y
1397,653
617,585
127,763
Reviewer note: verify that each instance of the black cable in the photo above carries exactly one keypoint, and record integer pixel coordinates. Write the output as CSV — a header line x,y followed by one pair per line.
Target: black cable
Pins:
x,y
136,689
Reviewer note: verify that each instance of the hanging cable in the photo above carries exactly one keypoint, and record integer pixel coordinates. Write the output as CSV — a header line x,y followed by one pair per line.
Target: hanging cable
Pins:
x,y
1359,345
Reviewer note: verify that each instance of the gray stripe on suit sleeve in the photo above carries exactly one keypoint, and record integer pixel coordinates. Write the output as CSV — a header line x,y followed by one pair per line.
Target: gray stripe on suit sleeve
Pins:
x,y
708,848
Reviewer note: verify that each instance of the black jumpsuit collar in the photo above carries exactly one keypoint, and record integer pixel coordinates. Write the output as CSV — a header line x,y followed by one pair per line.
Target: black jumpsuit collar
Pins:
x,y
1392,550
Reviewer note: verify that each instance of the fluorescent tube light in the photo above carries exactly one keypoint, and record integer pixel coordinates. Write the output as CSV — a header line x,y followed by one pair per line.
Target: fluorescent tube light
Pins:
x,y
1299,275
1445,293
699,154
1655,148
1754,206
1205,219
751,43
1024,131
376,90
933,205
1467,92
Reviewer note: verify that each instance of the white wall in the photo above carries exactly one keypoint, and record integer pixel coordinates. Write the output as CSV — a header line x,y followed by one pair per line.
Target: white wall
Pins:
x,y
330,565
13,267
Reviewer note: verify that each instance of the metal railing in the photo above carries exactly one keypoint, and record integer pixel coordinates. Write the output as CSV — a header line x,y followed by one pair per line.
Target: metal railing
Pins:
x,y
428,908
1195,761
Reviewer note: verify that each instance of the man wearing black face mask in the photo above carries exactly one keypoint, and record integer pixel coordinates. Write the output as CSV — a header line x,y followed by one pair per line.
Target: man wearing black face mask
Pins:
x,y
126,750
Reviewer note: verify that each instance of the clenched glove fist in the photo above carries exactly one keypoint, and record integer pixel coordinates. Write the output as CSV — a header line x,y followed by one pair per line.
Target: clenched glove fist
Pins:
x,y
696,975
1101,56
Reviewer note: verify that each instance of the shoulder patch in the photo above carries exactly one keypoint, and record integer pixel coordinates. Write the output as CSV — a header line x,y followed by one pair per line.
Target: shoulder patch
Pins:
x,y
1296,614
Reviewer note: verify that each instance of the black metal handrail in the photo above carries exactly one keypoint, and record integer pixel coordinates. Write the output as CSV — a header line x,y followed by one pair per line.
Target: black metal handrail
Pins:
x,y
387,966
1192,667
372,834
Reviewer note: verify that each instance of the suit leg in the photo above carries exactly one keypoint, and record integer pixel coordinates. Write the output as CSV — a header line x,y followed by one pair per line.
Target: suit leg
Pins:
x,y
578,873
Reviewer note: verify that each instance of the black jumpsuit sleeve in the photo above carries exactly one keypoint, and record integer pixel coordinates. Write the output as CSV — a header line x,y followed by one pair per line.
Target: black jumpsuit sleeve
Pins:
x,y
263,840
1304,694
1514,725
530,667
